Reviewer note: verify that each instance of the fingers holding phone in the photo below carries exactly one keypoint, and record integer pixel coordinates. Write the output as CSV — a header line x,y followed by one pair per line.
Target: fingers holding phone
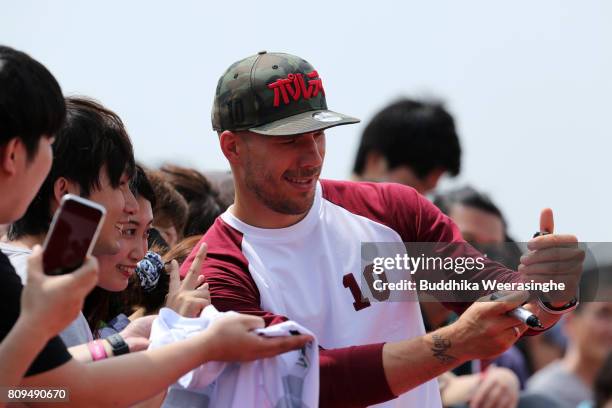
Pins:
x,y
72,235
50,303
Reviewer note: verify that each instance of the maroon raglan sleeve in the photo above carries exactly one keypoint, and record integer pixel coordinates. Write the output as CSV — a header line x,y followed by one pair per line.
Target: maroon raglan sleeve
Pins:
x,y
349,377
419,220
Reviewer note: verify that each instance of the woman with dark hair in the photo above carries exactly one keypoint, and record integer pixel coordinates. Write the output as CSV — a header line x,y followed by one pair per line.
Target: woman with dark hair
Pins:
x,y
122,277
117,268
203,199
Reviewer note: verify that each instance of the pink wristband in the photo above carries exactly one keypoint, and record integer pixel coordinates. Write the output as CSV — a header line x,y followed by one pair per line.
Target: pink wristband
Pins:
x,y
97,350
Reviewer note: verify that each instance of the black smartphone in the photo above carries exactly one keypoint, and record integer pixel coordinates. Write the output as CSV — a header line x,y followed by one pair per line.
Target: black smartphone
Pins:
x,y
73,233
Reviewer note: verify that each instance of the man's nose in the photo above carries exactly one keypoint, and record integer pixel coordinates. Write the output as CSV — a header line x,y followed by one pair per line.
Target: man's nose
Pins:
x,y
311,151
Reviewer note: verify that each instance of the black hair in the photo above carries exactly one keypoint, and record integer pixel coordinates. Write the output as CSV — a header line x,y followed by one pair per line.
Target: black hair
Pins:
x,y
203,199
202,215
31,101
171,208
90,138
420,135
509,253
468,197
101,305
141,186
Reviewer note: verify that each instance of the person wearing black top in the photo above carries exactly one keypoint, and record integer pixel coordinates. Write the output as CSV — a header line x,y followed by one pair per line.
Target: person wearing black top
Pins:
x,y
31,110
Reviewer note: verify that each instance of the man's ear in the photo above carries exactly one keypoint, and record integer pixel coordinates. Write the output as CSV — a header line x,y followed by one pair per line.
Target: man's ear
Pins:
x,y
9,156
231,146
63,186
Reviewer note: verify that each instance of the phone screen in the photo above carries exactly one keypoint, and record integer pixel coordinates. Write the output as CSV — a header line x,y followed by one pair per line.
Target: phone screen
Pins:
x,y
71,237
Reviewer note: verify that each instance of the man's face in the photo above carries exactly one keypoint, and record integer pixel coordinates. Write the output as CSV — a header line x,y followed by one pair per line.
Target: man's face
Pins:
x,y
116,269
477,226
31,175
120,204
282,172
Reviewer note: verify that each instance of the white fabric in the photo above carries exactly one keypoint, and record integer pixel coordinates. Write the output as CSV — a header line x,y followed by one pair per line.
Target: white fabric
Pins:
x,y
299,273
78,331
287,380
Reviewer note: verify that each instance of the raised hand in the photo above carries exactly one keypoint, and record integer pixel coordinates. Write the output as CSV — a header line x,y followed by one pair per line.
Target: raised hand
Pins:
x,y
190,296
553,257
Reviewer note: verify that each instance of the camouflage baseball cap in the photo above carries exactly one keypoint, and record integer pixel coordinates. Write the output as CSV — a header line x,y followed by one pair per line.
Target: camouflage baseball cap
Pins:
x,y
273,94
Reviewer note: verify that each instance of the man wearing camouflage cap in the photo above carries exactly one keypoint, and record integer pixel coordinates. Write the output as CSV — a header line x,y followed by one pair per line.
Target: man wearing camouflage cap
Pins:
x,y
289,247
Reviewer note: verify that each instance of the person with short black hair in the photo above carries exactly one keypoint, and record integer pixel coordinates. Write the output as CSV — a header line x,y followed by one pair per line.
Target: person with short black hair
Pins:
x,y
93,158
410,142
31,110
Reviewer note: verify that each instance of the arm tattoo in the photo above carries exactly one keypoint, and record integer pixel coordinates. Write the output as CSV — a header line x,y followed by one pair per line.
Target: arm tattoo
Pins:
x,y
440,348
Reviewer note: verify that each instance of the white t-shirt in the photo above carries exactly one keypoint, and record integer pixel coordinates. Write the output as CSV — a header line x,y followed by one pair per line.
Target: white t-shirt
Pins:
x,y
308,272
287,380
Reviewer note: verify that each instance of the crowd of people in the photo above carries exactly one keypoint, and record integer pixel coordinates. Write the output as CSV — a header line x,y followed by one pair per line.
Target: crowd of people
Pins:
x,y
273,242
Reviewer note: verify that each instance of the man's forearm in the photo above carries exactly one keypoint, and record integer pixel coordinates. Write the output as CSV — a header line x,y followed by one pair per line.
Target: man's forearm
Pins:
x,y
410,363
370,374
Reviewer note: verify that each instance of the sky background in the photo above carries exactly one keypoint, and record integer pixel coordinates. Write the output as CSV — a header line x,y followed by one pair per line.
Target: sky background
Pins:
x,y
528,82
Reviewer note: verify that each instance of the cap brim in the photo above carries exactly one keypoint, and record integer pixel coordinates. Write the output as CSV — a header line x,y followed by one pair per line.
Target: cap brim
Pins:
x,y
306,122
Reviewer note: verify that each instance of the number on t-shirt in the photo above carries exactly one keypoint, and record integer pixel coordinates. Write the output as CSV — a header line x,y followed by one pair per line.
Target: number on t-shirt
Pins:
x,y
370,277
361,302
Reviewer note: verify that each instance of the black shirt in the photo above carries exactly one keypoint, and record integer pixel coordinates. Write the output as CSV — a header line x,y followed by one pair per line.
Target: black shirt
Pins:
x,y
55,353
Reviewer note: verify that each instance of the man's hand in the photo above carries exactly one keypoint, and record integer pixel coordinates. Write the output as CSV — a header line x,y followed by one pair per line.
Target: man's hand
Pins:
x,y
189,297
553,257
483,331
50,303
137,333
231,338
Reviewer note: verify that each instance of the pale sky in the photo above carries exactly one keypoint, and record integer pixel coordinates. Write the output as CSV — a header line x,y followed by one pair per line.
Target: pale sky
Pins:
x,y
528,82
